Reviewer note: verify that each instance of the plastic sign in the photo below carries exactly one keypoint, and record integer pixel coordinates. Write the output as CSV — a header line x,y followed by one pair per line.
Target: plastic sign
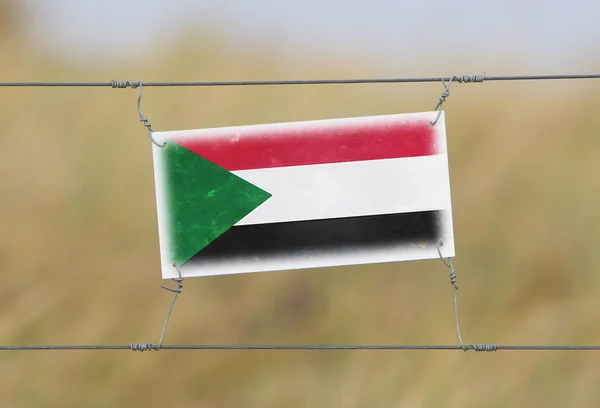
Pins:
x,y
300,195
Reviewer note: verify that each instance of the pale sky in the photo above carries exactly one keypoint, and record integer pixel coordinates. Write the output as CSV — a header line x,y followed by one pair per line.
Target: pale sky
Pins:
x,y
549,36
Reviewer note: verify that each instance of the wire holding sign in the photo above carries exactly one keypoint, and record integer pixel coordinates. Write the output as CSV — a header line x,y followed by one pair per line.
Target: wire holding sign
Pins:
x,y
443,98
143,119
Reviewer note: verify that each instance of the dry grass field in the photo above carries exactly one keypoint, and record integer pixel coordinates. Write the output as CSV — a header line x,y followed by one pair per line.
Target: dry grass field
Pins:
x,y
79,248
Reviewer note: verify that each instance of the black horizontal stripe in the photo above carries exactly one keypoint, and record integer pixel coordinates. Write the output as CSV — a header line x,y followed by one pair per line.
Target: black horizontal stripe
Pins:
x,y
316,237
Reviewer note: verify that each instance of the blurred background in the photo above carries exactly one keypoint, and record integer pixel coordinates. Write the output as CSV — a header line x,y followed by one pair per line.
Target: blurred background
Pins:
x,y
78,229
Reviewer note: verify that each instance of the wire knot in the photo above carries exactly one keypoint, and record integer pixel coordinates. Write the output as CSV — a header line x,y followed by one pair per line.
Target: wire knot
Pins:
x,y
453,278
146,124
177,289
141,347
484,347
449,265
124,84
469,79
141,115
443,98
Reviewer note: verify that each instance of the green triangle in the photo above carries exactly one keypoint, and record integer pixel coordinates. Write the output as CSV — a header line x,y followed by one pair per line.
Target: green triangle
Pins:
x,y
203,201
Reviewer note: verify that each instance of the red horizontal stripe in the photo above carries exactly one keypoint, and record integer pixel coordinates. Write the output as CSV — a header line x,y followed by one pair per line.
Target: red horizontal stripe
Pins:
x,y
333,142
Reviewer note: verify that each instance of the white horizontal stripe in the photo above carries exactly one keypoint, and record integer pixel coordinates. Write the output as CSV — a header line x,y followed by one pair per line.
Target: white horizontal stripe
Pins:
x,y
350,189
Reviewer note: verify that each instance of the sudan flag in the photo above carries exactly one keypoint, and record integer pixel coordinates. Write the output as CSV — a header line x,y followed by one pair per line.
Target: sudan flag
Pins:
x,y
303,194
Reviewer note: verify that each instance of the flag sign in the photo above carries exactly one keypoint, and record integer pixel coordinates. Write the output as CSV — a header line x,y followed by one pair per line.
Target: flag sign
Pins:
x,y
303,195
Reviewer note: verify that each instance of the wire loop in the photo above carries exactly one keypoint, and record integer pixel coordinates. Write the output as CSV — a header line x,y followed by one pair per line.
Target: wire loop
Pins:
x,y
445,95
177,291
143,119
454,290
465,79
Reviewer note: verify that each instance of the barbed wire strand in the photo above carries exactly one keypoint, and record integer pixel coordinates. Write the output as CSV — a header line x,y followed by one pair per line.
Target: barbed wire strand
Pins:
x,y
147,347
459,79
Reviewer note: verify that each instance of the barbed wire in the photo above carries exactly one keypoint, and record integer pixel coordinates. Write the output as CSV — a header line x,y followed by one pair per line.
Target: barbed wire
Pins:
x,y
151,347
459,79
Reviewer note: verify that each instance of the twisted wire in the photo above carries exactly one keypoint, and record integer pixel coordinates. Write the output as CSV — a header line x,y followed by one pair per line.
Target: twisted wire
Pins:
x,y
143,119
176,292
141,347
466,79
460,79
